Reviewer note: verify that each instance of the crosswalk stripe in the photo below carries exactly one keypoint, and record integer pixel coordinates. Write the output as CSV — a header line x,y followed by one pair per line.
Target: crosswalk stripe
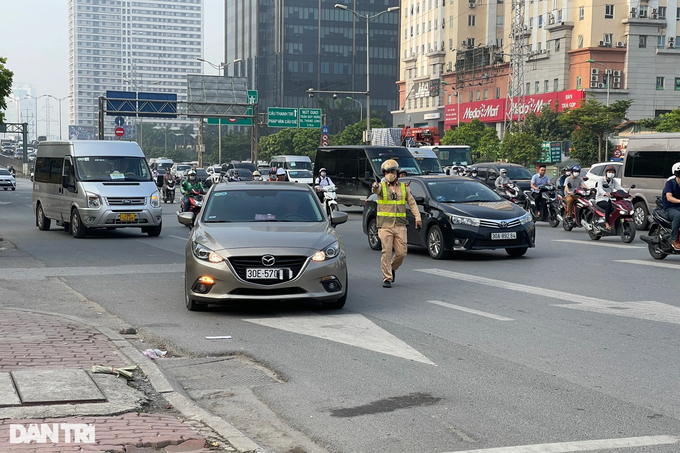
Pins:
x,y
470,310
599,244
650,263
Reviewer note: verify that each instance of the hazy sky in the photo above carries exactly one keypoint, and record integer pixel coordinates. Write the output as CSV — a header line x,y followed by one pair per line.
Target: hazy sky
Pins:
x,y
34,39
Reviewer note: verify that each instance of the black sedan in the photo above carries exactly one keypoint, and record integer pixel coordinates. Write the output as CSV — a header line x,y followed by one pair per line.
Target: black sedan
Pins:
x,y
458,214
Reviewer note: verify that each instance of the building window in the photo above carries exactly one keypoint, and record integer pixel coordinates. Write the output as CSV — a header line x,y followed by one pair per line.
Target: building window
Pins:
x,y
486,94
643,42
538,87
578,82
472,96
643,12
661,41
580,42
451,21
660,83
608,39
677,84
547,86
556,85
581,12
559,16
557,45
662,12
677,14
498,92
479,95
449,98
471,42
500,21
471,21
528,88
427,102
540,21
608,11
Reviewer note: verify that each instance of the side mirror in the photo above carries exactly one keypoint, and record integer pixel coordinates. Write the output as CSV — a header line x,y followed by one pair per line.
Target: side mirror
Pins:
x,y
338,218
186,218
420,200
632,187
368,176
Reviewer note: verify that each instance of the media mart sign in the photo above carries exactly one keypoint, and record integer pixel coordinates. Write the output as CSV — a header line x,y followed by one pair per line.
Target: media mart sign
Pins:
x,y
493,110
68,433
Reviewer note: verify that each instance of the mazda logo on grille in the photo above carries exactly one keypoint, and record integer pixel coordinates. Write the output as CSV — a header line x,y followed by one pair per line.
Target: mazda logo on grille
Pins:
x,y
268,260
503,224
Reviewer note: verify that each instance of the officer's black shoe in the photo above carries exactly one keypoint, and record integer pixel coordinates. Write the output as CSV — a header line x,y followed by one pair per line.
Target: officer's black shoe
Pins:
x,y
387,284
394,276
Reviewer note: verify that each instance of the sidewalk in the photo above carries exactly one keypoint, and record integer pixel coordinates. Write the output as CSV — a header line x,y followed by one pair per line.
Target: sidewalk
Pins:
x,y
46,381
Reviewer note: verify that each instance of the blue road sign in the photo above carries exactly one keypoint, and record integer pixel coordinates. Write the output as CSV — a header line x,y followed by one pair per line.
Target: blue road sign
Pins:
x,y
120,121
324,130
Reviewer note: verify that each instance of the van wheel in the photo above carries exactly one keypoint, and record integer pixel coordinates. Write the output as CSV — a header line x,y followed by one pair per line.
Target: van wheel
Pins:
x,y
40,219
154,231
640,214
78,230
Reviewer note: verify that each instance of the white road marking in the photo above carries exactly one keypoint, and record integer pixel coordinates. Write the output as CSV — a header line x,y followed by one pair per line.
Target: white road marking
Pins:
x,y
351,329
470,310
41,273
3,203
178,237
599,244
584,445
649,310
650,263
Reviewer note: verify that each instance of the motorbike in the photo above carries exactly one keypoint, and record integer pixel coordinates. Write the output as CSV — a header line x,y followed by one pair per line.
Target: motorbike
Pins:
x,y
551,214
582,203
195,202
659,237
511,193
169,191
330,199
620,220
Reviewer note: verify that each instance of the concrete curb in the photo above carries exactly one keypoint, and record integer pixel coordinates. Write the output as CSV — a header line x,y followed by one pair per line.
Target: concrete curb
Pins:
x,y
189,409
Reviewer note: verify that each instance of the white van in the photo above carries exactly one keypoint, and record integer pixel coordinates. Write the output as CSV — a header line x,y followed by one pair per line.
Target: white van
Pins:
x,y
95,184
427,161
298,168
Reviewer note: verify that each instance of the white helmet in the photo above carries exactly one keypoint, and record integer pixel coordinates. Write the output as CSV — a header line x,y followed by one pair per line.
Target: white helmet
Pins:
x,y
280,172
676,169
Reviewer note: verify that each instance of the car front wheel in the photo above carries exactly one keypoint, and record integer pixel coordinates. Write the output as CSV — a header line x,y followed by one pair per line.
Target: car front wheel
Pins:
x,y
516,252
373,238
435,243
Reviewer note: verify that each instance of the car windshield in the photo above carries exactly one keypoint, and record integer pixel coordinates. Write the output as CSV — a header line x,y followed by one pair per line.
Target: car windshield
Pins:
x,y
298,165
201,172
183,167
264,205
300,174
461,192
407,164
112,168
4,172
245,165
430,165
243,173
518,173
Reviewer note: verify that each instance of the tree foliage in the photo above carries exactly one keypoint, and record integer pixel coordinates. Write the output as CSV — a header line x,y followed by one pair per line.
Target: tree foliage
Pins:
x,y
546,125
521,147
483,141
5,86
584,147
354,134
670,122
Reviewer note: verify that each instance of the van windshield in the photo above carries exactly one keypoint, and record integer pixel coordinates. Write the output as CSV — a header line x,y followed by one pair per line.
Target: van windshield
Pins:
x,y
430,165
112,168
407,164
298,165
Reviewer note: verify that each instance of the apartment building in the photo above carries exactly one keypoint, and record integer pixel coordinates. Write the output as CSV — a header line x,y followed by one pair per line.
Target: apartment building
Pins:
x,y
121,45
455,57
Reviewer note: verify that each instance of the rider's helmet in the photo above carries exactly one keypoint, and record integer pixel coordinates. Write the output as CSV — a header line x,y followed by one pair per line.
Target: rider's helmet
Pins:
x,y
272,171
191,175
389,165
280,172
504,172
473,172
609,169
575,169
676,170
256,173
235,172
322,169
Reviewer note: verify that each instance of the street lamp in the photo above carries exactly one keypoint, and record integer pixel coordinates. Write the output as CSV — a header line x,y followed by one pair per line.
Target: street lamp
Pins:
x,y
609,82
361,107
58,100
457,95
36,111
368,19
220,66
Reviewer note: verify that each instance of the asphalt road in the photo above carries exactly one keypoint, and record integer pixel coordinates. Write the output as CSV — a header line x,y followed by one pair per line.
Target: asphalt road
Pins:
x,y
577,341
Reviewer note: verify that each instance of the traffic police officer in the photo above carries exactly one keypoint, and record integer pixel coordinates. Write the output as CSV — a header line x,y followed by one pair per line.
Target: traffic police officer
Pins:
x,y
392,198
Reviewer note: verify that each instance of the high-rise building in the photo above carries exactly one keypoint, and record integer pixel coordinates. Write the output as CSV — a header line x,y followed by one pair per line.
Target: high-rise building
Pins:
x,y
21,107
287,47
455,57
122,45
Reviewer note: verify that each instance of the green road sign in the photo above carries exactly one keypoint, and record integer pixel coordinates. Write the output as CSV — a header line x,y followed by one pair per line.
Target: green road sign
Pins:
x,y
234,121
252,96
552,152
282,117
310,118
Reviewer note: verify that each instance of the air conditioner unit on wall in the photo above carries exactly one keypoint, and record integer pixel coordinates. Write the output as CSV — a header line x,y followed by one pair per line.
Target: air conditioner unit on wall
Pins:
x,y
593,84
601,44
594,71
616,85
617,73
594,78
472,5
620,44
600,85
617,79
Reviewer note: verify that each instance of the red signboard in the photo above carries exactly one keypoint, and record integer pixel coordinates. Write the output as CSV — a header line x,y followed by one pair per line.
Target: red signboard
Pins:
x,y
493,110
119,132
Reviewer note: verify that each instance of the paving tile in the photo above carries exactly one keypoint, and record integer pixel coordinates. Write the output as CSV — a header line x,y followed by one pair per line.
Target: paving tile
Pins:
x,y
8,394
56,386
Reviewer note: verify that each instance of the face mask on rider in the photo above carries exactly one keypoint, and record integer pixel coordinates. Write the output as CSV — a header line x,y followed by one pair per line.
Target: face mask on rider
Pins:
x,y
610,175
575,173
323,174
391,177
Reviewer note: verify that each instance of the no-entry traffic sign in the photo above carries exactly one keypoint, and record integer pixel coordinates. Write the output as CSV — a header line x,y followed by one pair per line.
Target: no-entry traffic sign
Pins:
x,y
119,132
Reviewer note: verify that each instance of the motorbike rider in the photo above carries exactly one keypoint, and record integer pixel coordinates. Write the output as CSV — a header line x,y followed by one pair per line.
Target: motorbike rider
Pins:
x,y
280,174
257,176
392,199
539,180
167,177
572,183
671,203
503,179
272,174
234,176
566,172
189,185
473,173
12,171
602,199
322,181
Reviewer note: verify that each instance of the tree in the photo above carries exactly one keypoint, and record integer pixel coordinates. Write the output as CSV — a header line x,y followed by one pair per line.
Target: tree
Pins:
x,y
597,119
5,87
546,125
483,141
354,133
670,122
306,141
521,147
584,147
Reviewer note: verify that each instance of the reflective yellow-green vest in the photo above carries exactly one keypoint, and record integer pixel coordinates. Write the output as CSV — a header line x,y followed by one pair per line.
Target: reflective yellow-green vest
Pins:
x,y
392,212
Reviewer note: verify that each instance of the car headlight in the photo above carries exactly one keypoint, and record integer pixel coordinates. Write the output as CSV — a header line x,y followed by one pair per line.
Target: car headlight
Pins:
x,y
526,218
155,200
204,253
94,201
329,252
462,220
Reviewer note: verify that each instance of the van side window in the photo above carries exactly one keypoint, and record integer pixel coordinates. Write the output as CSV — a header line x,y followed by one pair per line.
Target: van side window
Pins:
x,y
648,164
42,169
56,165
347,167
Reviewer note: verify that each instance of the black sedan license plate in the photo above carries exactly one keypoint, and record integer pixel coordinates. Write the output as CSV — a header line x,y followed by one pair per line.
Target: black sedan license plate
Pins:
x,y
266,274
501,236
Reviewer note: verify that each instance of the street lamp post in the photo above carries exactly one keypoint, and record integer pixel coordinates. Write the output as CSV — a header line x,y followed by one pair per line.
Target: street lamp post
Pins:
x,y
361,107
58,100
368,19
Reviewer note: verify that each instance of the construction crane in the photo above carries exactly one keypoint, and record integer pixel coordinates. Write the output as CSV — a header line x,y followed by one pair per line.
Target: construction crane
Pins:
x,y
419,136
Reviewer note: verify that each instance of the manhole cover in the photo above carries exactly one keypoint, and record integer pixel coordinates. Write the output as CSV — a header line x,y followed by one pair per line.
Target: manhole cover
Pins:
x,y
208,374
56,387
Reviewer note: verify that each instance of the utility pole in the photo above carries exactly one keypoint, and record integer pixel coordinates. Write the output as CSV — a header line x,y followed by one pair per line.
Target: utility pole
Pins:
x,y
200,142
515,100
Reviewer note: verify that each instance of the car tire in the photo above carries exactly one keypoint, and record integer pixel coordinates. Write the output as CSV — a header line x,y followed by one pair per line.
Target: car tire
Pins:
x,y
155,231
41,221
373,238
640,214
14,188
4,188
435,243
516,253
337,304
78,230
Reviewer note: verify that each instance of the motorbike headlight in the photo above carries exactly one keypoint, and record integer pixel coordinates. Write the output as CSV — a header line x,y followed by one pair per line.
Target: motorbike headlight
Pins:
x,y
462,220
204,253
327,253
94,201
526,218
155,200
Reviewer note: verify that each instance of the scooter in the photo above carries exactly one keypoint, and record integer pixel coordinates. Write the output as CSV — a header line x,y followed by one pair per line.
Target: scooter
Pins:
x,y
620,220
169,191
551,214
330,199
582,203
195,202
512,193
659,237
